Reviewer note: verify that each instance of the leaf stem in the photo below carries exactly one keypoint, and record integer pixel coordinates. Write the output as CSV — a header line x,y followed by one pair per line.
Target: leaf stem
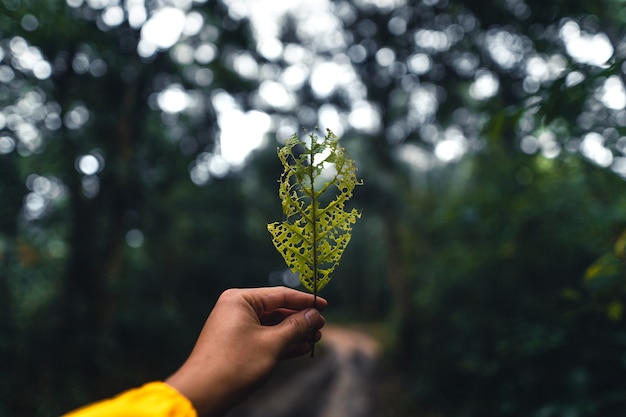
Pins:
x,y
314,216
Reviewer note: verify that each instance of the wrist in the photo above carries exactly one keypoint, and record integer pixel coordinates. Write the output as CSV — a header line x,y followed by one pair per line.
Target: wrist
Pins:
x,y
207,398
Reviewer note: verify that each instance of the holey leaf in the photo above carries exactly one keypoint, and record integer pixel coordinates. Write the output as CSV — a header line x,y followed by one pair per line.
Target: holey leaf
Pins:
x,y
317,181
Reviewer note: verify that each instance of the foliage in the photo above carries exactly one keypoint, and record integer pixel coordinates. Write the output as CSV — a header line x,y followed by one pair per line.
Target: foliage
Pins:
x,y
314,236
492,245
94,178
504,322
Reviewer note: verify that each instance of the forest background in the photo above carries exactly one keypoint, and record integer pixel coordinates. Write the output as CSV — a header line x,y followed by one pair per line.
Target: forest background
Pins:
x,y
138,171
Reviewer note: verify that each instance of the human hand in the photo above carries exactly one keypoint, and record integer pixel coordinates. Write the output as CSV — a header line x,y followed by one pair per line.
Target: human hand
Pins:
x,y
246,334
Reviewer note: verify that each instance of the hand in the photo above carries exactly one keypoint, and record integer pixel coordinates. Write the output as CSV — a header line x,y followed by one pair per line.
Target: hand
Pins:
x,y
246,334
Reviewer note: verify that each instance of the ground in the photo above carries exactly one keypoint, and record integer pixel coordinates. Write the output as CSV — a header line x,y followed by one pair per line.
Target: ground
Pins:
x,y
337,382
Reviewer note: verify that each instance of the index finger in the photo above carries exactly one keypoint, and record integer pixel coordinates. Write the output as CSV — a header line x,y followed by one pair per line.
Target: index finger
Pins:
x,y
272,298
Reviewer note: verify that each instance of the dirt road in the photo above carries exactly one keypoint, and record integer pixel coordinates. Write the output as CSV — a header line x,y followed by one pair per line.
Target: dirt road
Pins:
x,y
336,383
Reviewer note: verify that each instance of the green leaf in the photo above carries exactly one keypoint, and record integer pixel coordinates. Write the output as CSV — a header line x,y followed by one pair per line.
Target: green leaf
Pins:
x,y
314,234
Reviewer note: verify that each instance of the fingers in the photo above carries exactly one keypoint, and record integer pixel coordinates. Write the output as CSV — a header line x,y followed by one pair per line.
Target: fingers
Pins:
x,y
300,348
300,326
274,317
272,298
294,343
289,321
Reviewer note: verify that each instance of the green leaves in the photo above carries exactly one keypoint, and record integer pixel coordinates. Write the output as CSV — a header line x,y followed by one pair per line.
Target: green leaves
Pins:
x,y
314,234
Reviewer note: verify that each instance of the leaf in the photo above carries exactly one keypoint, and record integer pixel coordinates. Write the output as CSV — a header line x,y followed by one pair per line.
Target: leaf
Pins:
x,y
314,235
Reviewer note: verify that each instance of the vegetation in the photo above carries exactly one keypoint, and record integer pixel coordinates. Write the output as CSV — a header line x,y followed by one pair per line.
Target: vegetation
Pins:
x,y
491,137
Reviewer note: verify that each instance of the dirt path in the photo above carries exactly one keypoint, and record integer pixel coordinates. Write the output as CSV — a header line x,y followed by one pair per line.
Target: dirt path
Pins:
x,y
336,383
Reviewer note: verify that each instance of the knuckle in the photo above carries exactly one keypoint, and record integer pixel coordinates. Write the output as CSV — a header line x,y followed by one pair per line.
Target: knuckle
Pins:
x,y
230,294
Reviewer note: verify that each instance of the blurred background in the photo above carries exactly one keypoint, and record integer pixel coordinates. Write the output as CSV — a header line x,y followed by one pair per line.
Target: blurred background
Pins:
x,y
138,171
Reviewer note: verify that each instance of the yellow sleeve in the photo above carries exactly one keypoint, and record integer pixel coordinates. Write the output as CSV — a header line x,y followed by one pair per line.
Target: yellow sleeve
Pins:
x,y
155,399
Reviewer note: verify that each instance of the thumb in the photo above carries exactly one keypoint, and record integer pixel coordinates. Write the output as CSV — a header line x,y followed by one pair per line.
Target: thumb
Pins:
x,y
299,325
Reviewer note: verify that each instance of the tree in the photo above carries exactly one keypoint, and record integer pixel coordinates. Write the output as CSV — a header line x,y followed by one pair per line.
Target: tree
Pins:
x,y
485,136
482,128
95,140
